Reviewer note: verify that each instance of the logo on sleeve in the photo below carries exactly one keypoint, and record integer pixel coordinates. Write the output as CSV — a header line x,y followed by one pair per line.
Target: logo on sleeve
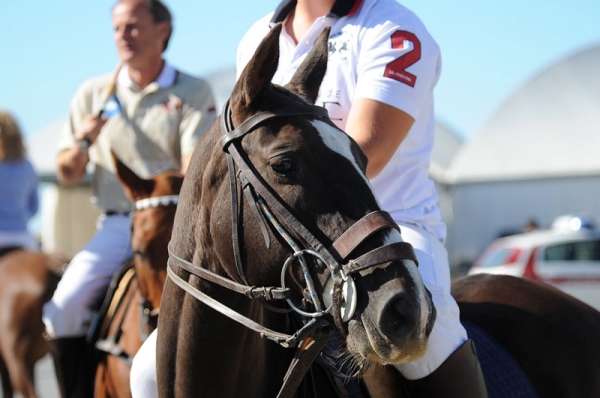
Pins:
x,y
410,45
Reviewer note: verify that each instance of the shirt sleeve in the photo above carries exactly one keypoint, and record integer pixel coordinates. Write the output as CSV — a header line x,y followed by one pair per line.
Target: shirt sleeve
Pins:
x,y
399,63
79,108
199,113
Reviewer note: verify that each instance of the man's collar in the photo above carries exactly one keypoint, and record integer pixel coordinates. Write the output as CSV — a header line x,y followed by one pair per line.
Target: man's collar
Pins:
x,y
341,8
167,77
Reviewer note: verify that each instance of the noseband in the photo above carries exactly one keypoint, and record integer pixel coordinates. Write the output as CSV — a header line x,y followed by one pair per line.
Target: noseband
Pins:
x,y
266,204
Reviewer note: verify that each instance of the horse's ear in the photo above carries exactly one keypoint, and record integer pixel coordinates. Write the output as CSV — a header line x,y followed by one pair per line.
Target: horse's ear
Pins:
x,y
255,81
135,187
308,77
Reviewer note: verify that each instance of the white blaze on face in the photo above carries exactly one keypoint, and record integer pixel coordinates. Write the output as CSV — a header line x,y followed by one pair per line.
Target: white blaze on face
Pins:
x,y
339,142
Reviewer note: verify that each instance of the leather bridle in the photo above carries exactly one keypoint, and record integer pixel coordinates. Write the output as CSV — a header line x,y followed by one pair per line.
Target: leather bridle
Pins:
x,y
266,204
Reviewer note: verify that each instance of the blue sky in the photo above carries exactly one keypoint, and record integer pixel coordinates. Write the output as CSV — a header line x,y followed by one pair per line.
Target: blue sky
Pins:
x,y
488,48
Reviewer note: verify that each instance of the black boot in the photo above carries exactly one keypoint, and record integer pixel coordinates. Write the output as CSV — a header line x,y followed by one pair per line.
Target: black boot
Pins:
x,y
460,376
73,366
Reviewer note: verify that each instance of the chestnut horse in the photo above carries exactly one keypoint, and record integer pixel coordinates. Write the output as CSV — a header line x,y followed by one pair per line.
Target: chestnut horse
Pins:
x,y
27,281
131,313
307,231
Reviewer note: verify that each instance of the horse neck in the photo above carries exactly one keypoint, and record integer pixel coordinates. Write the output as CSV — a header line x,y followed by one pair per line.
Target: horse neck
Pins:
x,y
151,274
229,351
151,286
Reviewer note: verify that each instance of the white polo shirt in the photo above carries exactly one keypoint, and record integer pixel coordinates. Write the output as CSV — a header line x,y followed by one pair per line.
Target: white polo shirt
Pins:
x,y
150,129
380,50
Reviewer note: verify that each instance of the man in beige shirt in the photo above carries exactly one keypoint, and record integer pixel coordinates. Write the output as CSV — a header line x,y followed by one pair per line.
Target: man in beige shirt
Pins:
x,y
152,122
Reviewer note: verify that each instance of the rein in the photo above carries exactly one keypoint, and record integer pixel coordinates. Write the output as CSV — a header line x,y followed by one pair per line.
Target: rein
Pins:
x,y
266,204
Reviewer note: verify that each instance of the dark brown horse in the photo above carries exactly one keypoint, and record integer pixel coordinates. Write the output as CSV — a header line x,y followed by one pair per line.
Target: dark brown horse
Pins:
x,y
549,338
551,335
307,229
131,313
305,193
27,281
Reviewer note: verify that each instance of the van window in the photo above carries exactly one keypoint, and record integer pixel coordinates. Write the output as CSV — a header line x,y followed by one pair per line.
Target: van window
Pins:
x,y
588,250
500,257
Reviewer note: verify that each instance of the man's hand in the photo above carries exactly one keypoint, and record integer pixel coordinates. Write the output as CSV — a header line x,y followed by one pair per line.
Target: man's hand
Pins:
x,y
71,163
90,128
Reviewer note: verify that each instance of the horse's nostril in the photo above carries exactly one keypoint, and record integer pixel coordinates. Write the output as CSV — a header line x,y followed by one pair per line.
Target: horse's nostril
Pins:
x,y
396,316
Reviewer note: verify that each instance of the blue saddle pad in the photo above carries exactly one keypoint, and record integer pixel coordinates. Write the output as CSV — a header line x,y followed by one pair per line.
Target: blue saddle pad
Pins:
x,y
503,375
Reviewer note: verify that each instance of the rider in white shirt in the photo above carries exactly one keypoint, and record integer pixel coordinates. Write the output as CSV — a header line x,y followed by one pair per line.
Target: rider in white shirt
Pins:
x,y
383,66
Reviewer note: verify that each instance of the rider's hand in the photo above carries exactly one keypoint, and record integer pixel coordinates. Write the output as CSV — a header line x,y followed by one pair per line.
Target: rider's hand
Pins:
x,y
90,128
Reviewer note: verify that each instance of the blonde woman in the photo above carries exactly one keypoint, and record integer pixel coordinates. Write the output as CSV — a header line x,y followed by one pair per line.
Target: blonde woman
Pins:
x,y
18,188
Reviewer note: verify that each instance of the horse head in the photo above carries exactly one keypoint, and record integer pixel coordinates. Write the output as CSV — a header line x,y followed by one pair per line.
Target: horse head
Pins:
x,y
155,201
287,205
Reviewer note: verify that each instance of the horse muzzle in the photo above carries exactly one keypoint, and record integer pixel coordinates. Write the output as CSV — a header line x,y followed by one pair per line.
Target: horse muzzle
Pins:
x,y
394,323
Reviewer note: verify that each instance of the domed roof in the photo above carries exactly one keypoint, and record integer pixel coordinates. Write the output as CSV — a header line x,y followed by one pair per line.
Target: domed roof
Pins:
x,y
447,143
550,127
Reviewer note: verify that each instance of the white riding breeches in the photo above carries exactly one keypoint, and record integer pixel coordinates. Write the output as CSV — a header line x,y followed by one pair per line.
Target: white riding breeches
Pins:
x,y
142,378
447,335
84,283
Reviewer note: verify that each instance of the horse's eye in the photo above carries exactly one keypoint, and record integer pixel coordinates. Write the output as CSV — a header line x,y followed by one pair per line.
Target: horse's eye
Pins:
x,y
282,166
139,254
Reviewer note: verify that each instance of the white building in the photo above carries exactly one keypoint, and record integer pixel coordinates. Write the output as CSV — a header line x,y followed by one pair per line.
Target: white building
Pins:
x,y
536,158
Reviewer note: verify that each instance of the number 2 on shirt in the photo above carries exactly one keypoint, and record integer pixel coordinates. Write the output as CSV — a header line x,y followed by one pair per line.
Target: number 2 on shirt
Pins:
x,y
397,69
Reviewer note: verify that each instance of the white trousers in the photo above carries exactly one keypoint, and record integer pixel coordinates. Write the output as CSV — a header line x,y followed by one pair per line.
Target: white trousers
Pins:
x,y
142,378
447,335
84,283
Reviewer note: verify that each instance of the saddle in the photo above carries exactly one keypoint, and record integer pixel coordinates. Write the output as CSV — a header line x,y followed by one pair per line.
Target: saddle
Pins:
x,y
120,293
503,376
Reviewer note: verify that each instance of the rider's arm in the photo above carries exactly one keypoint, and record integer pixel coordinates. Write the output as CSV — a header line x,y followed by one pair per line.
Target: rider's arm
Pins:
x,y
379,129
396,71
71,162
